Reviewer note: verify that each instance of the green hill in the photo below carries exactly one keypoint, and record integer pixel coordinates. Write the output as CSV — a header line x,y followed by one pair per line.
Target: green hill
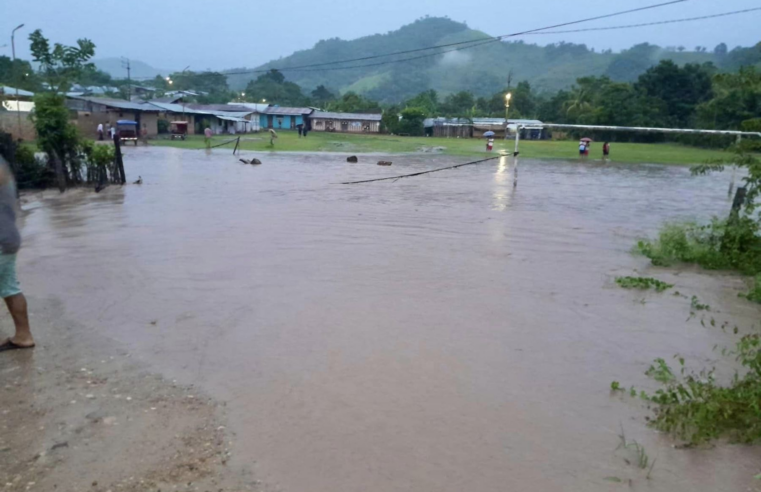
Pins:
x,y
481,70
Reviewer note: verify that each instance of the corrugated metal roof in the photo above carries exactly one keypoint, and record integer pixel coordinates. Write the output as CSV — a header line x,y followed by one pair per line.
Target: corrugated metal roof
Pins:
x,y
118,103
231,118
12,90
276,110
258,108
201,109
345,116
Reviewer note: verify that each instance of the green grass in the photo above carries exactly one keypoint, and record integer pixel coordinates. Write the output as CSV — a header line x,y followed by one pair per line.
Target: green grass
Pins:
x,y
288,141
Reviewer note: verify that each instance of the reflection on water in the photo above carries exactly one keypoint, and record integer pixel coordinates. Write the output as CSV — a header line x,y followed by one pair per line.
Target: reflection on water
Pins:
x,y
447,332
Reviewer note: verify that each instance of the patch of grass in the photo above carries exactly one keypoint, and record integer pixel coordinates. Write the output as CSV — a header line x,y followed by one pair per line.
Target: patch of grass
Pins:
x,y
695,408
288,141
642,283
641,457
696,305
714,246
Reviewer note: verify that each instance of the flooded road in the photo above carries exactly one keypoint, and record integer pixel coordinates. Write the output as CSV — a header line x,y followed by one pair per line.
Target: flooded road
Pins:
x,y
440,333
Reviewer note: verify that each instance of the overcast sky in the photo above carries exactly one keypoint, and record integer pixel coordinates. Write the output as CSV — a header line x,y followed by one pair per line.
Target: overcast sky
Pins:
x,y
236,33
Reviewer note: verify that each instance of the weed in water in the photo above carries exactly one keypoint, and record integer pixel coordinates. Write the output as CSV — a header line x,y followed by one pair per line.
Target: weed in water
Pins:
x,y
696,305
660,371
642,459
615,386
697,409
643,283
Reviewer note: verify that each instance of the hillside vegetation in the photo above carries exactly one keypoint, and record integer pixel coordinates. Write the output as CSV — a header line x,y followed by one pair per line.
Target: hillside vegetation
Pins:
x,y
479,70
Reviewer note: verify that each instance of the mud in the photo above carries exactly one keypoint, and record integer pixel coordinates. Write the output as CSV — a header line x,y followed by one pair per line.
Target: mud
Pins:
x,y
79,414
447,332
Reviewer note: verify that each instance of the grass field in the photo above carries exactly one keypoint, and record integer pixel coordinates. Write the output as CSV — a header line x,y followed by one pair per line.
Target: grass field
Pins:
x,y
386,144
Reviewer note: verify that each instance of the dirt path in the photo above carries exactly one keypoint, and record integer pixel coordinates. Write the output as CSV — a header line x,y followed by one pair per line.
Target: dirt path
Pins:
x,y
79,414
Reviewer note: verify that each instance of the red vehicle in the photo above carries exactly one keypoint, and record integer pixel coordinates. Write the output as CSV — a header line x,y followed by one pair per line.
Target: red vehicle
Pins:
x,y
179,129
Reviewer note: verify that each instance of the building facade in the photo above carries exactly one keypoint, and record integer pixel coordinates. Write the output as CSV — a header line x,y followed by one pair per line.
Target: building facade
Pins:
x,y
345,122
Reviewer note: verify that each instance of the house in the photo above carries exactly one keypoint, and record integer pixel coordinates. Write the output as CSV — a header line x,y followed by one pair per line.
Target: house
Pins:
x,y
345,122
280,118
14,115
530,129
228,118
448,127
91,111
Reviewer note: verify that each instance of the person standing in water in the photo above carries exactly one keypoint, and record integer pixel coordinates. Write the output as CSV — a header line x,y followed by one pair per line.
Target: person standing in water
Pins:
x,y
10,242
582,148
207,133
605,150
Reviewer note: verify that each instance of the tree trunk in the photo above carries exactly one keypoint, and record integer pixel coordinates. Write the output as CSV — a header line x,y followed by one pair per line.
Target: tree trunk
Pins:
x,y
119,161
59,172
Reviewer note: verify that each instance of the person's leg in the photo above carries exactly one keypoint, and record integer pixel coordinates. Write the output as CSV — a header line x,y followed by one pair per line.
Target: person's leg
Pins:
x,y
10,291
17,306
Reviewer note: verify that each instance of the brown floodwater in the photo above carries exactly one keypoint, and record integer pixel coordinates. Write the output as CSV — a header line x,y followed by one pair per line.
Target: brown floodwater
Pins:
x,y
440,333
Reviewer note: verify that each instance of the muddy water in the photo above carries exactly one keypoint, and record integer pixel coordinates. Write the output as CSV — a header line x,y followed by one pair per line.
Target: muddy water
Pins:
x,y
441,333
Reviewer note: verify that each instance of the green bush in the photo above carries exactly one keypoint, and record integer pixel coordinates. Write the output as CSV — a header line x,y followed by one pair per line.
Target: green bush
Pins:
x,y
714,246
695,408
30,172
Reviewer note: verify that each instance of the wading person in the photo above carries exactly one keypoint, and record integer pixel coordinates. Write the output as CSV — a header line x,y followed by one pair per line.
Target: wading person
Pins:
x,y
100,131
605,150
10,242
582,148
207,137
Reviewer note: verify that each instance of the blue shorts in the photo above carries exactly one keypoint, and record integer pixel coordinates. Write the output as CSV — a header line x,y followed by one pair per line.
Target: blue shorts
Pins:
x,y
9,285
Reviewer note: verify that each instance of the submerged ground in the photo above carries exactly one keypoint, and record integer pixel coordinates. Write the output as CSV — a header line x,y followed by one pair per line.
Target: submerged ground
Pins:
x,y
442,333
288,141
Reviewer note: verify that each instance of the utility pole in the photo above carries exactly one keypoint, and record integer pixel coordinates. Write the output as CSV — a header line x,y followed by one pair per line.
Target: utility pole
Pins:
x,y
15,78
125,64
508,96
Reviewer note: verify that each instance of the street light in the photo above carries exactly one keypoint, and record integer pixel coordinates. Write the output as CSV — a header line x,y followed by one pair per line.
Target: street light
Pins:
x,y
13,50
508,96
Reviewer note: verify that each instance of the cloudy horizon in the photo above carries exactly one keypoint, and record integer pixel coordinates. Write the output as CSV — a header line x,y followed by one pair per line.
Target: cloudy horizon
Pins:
x,y
242,34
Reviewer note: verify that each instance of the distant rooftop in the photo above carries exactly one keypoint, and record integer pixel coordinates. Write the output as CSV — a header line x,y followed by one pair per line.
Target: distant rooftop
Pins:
x,y
277,110
12,90
325,115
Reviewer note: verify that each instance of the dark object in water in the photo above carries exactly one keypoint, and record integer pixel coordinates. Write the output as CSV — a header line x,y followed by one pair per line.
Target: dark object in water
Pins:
x,y
353,159
139,180
254,162
384,163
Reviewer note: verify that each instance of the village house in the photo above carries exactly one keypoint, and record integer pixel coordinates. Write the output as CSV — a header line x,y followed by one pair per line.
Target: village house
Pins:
x,y
448,127
14,115
345,122
279,118
91,111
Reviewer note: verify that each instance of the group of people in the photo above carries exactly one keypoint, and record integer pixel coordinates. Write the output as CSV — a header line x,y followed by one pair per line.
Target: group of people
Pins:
x,y
110,131
584,146
303,130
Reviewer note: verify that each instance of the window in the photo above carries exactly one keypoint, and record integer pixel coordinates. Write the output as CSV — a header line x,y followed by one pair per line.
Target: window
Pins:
x,y
318,124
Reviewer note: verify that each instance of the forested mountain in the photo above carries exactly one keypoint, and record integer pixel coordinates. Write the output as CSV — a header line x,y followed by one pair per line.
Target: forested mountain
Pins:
x,y
481,70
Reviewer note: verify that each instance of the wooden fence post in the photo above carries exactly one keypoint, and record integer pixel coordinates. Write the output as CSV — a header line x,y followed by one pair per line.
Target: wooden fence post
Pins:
x,y
119,161
60,177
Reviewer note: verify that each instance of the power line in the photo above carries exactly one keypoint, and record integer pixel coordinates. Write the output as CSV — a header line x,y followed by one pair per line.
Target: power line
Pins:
x,y
673,21
477,41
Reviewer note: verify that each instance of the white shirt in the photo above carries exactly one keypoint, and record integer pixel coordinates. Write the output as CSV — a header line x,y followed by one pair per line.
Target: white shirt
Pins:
x,y
100,127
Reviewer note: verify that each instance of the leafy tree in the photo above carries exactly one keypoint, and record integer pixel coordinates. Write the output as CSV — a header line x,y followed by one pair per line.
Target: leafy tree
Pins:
x,y
720,50
427,100
354,103
390,120
321,96
737,97
92,76
61,65
458,105
18,73
412,121
681,89
273,88
523,100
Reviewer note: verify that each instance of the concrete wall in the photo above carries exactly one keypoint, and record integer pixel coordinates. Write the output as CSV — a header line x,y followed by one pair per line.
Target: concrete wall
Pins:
x,y
354,126
9,124
289,122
